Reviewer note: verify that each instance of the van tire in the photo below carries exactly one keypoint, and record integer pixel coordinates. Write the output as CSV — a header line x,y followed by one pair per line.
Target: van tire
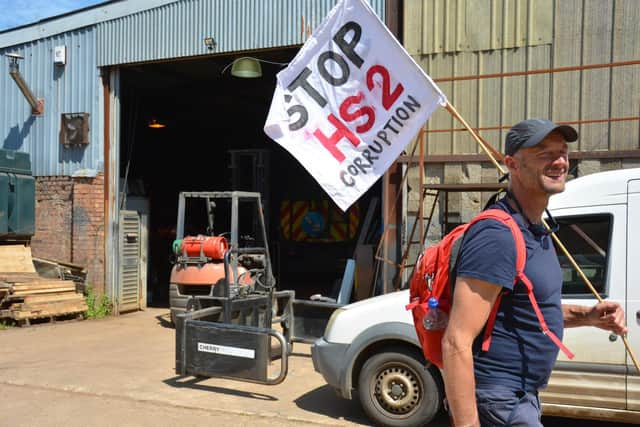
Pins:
x,y
396,389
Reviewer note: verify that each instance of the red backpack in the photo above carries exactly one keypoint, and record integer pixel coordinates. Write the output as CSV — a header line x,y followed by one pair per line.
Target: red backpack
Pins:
x,y
432,278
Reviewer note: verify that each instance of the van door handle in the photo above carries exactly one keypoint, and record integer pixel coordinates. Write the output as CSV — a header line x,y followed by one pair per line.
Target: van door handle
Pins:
x,y
638,317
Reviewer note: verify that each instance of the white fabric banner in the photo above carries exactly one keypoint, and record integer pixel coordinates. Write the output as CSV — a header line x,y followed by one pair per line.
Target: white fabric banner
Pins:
x,y
350,101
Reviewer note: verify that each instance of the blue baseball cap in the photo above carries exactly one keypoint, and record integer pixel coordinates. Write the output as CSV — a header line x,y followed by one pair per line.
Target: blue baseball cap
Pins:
x,y
531,132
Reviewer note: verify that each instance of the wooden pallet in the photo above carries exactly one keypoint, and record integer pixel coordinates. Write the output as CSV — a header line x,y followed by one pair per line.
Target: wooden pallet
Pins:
x,y
25,295
28,318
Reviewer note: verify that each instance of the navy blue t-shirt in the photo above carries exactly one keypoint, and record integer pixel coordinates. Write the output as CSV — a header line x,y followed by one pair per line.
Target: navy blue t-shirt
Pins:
x,y
521,357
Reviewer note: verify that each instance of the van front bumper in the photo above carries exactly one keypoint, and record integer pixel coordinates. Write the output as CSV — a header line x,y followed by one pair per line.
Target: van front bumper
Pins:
x,y
329,360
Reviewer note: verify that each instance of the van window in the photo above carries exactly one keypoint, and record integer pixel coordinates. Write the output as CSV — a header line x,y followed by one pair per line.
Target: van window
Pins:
x,y
587,238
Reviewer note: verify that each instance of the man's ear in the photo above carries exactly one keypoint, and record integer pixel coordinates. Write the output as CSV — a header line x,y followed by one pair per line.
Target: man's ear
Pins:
x,y
511,162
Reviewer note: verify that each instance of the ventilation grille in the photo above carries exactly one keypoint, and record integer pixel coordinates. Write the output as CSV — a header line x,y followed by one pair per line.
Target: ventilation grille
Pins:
x,y
74,129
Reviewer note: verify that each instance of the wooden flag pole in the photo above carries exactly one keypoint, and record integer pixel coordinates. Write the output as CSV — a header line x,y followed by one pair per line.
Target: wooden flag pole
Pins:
x,y
495,158
491,152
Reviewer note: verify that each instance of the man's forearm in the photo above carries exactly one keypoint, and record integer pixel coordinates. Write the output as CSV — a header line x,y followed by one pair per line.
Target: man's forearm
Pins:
x,y
607,315
459,384
575,315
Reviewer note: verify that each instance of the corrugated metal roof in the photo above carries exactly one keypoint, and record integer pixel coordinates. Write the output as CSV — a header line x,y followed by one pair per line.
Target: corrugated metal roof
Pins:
x,y
178,29
72,88
74,20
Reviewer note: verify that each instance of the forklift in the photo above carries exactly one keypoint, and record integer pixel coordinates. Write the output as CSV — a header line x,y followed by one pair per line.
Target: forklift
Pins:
x,y
230,319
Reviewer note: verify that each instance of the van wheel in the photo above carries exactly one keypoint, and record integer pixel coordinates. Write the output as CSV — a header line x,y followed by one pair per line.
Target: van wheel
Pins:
x,y
396,389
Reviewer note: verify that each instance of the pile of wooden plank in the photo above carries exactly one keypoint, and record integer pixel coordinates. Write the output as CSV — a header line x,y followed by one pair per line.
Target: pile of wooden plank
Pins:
x,y
25,295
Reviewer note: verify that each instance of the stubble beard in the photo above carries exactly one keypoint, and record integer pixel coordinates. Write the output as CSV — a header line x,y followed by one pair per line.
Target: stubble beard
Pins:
x,y
553,186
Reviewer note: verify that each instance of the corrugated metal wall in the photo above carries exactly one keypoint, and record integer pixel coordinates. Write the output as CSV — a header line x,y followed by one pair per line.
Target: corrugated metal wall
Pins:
x,y
474,25
73,88
453,38
178,30
457,38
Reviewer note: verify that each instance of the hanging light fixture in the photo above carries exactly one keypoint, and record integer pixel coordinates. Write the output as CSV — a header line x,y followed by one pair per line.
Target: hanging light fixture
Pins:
x,y
246,67
155,124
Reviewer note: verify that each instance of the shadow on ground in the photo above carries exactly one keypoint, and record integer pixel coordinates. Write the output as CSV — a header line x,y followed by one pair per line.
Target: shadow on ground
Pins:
x,y
193,383
164,320
324,401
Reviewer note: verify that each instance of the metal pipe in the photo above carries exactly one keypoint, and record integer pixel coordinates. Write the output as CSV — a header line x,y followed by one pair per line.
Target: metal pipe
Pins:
x,y
37,105
565,122
542,71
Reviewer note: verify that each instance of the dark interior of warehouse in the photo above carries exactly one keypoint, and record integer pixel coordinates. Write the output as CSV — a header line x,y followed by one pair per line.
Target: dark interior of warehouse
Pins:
x,y
212,121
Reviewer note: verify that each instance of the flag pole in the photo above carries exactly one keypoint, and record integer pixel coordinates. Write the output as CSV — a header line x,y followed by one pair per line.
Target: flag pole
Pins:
x,y
495,157
491,152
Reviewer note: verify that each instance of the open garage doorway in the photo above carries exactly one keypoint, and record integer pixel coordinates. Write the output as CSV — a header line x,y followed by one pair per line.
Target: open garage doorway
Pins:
x,y
188,126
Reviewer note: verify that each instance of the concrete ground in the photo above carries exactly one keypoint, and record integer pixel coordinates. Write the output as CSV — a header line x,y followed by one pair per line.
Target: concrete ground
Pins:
x,y
119,371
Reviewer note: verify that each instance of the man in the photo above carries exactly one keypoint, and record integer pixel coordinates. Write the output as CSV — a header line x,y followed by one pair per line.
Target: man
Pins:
x,y
500,386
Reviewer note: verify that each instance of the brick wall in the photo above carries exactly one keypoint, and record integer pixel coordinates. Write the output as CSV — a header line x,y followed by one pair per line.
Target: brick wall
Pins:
x,y
88,228
70,223
54,199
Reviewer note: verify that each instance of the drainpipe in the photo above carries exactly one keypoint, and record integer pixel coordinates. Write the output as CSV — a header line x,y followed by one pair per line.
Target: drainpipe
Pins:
x,y
37,104
391,203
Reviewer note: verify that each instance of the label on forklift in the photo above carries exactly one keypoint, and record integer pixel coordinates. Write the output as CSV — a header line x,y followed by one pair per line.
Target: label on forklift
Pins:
x,y
226,350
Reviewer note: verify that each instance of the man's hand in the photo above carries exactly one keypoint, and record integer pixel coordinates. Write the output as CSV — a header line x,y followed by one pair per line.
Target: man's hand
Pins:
x,y
608,315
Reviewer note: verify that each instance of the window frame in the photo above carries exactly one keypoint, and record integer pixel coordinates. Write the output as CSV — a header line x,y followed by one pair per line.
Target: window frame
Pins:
x,y
565,221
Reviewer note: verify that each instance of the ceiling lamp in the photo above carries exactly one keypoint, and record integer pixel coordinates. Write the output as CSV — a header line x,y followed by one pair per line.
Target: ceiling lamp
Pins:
x,y
246,67
155,124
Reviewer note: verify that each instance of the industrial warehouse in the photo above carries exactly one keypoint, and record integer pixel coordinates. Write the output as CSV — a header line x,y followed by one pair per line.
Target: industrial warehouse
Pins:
x,y
143,176
165,96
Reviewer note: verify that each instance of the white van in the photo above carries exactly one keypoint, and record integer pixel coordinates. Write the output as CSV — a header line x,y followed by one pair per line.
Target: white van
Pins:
x,y
371,346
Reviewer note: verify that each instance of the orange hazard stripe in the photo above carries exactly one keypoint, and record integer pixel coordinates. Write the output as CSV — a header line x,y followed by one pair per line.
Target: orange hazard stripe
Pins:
x,y
354,221
285,216
341,226
299,211
299,235
339,231
324,211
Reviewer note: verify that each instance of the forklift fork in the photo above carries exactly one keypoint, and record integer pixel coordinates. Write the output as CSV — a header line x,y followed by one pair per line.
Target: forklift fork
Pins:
x,y
212,349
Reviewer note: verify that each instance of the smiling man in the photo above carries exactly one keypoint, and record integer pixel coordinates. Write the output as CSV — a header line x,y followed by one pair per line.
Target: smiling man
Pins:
x,y
500,386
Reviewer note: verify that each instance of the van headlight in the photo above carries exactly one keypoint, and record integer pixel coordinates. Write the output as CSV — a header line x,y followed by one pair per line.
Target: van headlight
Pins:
x,y
332,320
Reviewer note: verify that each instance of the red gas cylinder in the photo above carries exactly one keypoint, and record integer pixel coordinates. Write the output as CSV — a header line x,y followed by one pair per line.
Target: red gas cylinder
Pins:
x,y
213,247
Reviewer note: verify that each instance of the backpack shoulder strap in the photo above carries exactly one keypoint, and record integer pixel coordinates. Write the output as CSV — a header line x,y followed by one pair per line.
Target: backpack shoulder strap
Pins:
x,y
521,258
543,324
507,219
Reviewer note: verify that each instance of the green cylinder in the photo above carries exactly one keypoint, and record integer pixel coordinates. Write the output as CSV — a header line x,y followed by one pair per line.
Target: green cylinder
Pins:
x,y
177,245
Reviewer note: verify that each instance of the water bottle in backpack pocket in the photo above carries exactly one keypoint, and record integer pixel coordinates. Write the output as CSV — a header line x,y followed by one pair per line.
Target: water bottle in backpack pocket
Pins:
x,y
435,319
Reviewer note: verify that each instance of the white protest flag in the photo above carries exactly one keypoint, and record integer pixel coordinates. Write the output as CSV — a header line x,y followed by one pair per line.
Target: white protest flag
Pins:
x,y
350,102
